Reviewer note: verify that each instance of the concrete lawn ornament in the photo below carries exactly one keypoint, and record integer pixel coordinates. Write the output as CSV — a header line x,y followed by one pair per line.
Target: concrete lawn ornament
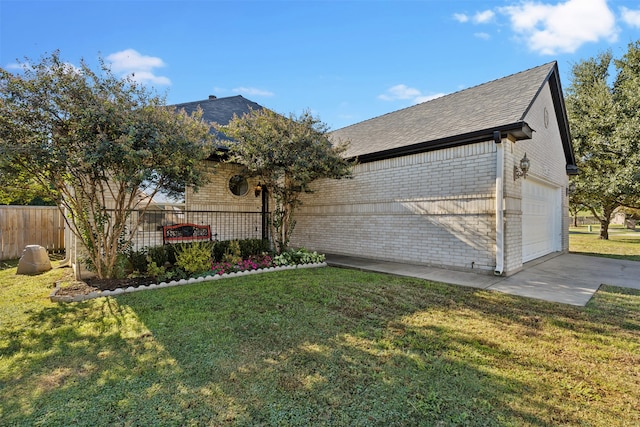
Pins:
x,y
34,260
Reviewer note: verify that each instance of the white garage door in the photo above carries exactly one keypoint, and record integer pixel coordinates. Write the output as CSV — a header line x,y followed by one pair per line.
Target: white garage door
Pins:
x,y
541,220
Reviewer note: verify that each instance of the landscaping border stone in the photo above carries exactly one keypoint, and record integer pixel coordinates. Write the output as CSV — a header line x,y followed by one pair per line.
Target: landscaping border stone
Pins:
x,y
98,294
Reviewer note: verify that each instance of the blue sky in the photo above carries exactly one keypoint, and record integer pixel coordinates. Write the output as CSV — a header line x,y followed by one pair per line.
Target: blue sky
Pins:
x,y
346,61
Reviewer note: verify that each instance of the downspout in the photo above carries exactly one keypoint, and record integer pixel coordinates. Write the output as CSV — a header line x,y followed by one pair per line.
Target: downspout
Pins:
x,y
499,204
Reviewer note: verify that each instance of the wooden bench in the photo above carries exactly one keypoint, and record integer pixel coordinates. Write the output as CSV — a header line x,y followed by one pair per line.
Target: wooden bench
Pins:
x,y
185,233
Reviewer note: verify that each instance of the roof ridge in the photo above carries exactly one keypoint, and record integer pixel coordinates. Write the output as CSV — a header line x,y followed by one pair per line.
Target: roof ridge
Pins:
x,y
440,98
210,100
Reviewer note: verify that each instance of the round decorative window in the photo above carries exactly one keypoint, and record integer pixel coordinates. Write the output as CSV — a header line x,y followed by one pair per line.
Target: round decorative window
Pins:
x,y
238,185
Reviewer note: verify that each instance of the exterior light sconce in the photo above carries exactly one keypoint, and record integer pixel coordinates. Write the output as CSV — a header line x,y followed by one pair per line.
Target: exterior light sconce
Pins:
x,y
523,169
571,188
257,189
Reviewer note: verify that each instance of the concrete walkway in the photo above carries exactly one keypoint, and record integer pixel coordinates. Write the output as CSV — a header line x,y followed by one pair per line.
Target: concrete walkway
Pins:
x,y
567,278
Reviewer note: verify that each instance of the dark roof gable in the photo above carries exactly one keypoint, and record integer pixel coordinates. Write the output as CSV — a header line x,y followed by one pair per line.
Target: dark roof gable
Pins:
x,y
220,110
464,117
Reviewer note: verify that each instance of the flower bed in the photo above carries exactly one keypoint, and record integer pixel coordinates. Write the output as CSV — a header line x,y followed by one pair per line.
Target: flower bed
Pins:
x,y
252,263
54,297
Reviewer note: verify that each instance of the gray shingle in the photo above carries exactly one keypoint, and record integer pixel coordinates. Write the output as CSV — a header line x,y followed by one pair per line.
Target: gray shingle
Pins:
x,y
490,105
220,110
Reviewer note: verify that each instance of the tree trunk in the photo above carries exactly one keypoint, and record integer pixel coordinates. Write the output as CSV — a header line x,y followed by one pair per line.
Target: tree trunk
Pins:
x,y
604,228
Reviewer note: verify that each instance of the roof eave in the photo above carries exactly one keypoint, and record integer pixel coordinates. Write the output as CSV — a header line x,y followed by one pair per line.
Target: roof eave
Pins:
x,y
515,131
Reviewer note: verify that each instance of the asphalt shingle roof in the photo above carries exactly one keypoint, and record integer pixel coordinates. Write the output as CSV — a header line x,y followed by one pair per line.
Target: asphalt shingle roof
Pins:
x,y
220,110
490,105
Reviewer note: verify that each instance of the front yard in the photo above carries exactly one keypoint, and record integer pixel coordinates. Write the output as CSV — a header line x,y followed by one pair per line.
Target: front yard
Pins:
x,y
316,347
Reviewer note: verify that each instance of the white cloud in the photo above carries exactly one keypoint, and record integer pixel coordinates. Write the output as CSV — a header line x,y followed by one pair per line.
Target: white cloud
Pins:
x,y
16,66
563,27
483,36
425,98
479,18
139,67
402,92
631,17
461,17
484,17
399,92
252,91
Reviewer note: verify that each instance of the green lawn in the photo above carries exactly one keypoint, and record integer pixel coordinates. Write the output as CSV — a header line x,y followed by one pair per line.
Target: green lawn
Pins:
x,y
320,346
622,243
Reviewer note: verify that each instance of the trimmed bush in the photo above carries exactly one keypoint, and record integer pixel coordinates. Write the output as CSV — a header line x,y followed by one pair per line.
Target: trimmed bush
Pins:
x,y
194,257
298,256
248,248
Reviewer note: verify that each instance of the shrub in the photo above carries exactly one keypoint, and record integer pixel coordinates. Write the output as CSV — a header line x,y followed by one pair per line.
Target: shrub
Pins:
x,y
248,248
219,249
157,272
138,260
253,247
193,257
158,254
299,256
232,255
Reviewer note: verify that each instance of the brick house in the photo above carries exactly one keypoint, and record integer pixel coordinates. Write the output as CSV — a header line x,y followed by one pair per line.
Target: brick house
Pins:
x,y
435,183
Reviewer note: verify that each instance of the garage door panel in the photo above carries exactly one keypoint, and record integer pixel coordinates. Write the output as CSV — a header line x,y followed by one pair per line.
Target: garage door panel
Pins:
x,y
540,220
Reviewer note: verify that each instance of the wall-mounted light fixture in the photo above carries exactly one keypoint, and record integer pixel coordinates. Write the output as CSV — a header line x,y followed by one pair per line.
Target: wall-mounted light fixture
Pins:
x,y
523,169
257,189
571,188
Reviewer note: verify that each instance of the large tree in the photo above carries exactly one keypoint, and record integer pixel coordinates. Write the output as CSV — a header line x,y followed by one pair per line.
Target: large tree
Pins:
x,y
604,115
287,153
19,189
99,145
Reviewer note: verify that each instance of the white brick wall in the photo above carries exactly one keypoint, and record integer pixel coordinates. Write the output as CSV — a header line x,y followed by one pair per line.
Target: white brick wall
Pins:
x,y
216,196
431,208
435,208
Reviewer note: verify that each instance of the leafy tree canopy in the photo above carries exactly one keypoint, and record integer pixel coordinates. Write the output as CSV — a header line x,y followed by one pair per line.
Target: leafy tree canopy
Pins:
x,y
604,116
94,142
287,153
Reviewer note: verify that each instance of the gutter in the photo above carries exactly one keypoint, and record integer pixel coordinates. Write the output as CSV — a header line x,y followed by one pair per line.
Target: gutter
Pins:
x,y
497,138
518,131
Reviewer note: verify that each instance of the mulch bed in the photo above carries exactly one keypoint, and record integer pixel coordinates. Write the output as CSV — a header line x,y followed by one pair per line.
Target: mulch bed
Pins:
x,y
71,288
112,284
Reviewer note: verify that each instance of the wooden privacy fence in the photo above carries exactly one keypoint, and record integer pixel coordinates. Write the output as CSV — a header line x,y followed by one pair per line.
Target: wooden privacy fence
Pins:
x,y
30,225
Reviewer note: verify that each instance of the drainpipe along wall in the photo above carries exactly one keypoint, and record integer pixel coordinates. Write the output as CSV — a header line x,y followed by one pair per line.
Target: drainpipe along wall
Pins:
x,y
499,204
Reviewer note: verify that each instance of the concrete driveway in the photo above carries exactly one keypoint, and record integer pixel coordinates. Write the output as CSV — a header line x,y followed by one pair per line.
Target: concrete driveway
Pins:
x,y
570,278
566,278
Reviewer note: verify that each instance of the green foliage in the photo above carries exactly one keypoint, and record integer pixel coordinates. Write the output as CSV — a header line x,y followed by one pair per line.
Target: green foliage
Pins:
x,y
605,127
159,254
219,249
20,189
159,273
138,260
232,254
288,154
253,247
194,257
298,256
248,248
93,141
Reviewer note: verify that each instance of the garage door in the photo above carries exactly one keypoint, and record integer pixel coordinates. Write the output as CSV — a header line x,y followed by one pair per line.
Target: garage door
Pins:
x,y
541,220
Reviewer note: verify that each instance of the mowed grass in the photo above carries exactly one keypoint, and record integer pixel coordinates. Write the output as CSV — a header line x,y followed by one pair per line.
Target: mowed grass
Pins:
x,y
622,244
322,346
